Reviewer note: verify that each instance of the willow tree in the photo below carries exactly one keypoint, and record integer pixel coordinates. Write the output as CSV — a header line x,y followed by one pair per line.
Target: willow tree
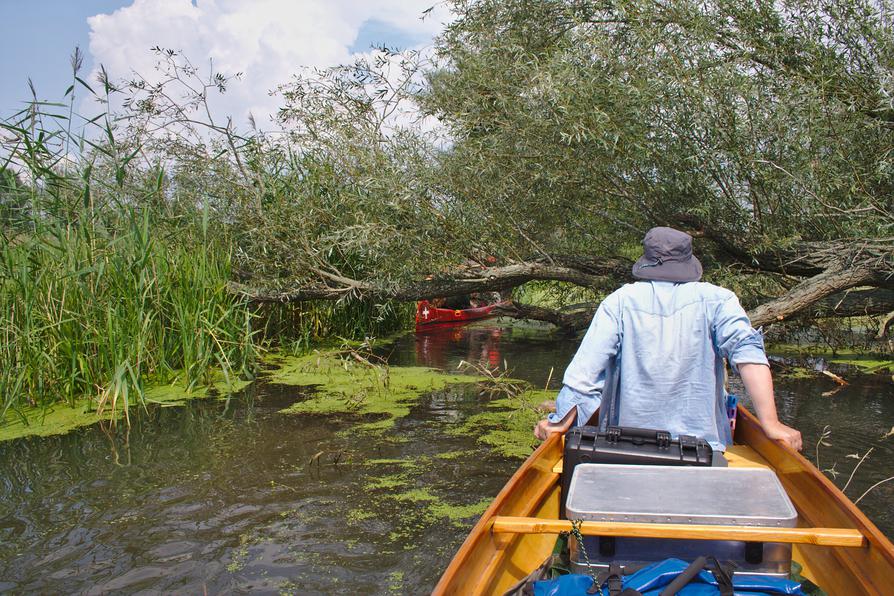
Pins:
x,y
764,129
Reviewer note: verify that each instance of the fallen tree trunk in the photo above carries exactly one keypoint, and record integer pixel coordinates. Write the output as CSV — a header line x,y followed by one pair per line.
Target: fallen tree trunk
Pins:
x,y
853,303
832,268
591,273
831,281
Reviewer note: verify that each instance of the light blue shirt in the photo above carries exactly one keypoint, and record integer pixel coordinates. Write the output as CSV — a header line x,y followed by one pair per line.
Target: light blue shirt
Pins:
x,y
672,339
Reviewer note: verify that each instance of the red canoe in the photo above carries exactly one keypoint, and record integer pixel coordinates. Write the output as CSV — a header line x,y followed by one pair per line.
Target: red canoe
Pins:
x,y
426,314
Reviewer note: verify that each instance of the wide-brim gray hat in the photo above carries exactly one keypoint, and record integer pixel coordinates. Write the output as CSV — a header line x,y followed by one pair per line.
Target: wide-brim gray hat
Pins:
x,y
667,256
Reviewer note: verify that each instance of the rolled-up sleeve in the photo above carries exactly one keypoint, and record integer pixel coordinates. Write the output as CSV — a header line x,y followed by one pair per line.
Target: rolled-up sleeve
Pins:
x,y
585,376
569,398
735,338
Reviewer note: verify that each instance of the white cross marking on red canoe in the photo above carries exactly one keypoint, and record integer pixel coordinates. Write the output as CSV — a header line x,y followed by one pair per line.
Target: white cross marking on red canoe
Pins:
x,y
425,312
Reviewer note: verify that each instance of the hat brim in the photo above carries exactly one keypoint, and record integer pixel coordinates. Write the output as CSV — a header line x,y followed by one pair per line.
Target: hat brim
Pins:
x,y
689,270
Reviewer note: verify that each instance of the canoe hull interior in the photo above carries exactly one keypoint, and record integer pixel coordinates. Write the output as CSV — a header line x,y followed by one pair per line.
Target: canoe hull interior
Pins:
x,y
491,563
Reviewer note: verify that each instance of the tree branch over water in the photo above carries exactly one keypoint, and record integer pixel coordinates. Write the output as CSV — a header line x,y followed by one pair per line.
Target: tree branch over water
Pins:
x,y
593,273
818,295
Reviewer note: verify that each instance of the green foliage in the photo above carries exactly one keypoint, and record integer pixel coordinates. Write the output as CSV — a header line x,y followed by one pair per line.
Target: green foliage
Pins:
x,y
15,200
571,128
550,294
301,325
580,124
348,190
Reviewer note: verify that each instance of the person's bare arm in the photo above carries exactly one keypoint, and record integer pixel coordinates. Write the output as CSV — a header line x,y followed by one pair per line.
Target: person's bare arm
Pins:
x,y
544,428
759,384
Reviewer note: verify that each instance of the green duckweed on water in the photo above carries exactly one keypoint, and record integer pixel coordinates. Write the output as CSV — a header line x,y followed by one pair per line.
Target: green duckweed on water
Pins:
x,y
458,513
866,365
358,515
455,454
794,372
60,418
507,424
403,489
415,495
854,360
387,482
343,385
343,382
396,582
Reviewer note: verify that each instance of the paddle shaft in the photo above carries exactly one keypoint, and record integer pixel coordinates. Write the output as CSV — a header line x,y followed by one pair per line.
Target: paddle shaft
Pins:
x,y
819,536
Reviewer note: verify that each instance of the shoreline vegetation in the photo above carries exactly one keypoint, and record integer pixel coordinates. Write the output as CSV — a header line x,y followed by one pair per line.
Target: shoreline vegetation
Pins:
x,y
154,243
99,311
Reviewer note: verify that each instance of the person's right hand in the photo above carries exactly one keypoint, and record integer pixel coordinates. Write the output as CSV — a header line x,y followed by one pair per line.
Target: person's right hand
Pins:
x,y
545,428
786,434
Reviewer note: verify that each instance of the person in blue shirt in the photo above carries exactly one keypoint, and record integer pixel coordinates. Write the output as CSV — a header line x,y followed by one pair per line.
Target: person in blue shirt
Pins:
x,y
672,336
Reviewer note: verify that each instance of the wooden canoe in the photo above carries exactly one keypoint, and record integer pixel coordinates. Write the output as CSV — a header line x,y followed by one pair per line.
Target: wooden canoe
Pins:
x,y
837,546
428,315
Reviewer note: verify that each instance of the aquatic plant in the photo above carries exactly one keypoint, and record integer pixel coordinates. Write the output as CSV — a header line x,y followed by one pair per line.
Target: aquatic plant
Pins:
x,y
96,310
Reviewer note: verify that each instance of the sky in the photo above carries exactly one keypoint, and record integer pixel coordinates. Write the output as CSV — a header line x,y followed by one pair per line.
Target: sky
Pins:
x,y
267,40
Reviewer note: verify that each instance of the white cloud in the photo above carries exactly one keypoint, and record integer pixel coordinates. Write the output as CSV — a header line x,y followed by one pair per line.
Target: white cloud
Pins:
x,y
267,40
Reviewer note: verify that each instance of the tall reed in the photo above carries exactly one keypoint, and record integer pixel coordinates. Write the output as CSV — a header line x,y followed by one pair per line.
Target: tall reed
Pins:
x,y
90,311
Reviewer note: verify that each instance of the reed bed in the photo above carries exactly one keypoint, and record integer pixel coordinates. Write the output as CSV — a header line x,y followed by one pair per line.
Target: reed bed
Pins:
x,y
88,311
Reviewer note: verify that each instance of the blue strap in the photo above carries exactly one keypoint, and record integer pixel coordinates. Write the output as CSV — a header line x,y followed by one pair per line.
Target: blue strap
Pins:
x,y
660,574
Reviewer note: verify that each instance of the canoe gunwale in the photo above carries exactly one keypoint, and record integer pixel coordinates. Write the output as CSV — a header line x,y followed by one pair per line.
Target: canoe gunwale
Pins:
x,y
859,518
870,567
481,531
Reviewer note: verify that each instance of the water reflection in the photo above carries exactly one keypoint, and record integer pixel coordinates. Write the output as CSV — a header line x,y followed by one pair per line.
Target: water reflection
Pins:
x,y
535,353
438,347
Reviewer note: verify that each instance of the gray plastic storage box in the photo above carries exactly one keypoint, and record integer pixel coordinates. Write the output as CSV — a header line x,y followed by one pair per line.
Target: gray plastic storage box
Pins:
x,y
680,495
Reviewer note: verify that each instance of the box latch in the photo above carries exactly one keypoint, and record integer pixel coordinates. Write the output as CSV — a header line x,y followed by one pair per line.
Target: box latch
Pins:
x,y
613,434
689,443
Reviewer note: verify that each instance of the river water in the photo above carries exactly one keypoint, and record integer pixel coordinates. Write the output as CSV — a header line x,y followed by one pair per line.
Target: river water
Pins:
x,y
235,497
